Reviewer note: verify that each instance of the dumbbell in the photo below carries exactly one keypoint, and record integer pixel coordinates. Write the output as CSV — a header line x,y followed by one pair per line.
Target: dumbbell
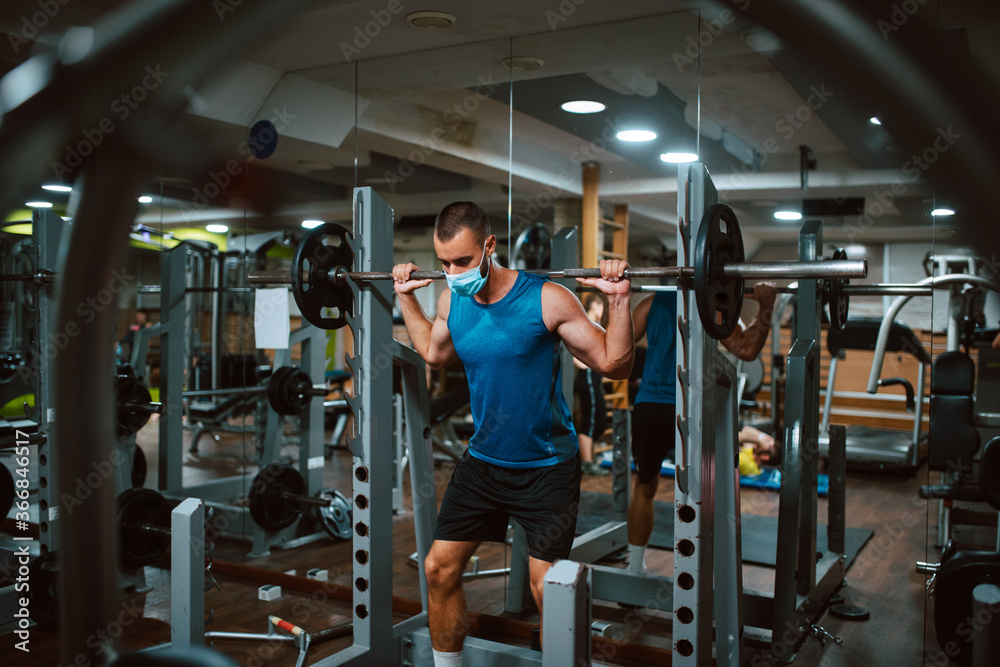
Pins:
x,y
277,498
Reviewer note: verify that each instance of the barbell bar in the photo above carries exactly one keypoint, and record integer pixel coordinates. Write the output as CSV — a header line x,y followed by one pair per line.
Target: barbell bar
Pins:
x,y
321,281
875,289
743,271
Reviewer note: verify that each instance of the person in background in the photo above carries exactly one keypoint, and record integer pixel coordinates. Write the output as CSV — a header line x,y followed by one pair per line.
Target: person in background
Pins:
x,y
654,412
588,389
125,345
756,450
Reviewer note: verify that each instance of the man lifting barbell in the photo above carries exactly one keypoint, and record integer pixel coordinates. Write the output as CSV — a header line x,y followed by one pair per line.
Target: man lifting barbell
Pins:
x,y
653,429
522,461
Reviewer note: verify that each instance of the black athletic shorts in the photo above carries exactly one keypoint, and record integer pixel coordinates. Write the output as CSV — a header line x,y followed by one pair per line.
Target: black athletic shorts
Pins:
x,y
481,497
653,433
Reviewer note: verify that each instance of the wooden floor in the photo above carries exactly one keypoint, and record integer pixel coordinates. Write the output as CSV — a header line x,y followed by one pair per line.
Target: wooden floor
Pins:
x,y
882,579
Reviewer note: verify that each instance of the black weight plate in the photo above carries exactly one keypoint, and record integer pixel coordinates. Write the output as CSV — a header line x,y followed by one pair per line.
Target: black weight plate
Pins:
x,y
850,612
274,389
137,507
719,299
836,599
954,617
130,390
138,468
335,517
838,298
6,491
43,594
297,384
317,259
268,508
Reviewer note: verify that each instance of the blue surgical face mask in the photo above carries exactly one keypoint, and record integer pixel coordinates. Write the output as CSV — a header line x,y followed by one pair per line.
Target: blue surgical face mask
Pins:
x,y
468,283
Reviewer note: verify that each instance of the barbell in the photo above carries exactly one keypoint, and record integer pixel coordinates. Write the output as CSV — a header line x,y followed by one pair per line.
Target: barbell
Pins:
x,y
41,277
320,278
143,521
277,497
289,390
838,292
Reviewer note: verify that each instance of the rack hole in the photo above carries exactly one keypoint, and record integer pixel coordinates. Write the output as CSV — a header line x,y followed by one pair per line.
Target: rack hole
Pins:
x,y
685,615
685,547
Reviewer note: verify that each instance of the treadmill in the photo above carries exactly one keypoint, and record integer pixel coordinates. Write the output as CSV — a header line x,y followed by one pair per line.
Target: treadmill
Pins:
x,y
872,447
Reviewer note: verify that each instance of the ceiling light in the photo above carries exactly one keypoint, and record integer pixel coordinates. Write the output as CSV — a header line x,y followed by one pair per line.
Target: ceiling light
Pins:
x,y
145,199
526,63
874,120
636,135
679,157
942,211
309,224
787,215
583,106
53,187
38,204
217,229
430,20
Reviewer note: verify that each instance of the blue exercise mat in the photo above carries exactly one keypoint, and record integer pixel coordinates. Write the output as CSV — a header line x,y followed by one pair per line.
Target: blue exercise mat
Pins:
x,y
769,478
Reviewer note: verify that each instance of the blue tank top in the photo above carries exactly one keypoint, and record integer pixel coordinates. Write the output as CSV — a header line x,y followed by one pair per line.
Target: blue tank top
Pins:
x,y
659,373
511,361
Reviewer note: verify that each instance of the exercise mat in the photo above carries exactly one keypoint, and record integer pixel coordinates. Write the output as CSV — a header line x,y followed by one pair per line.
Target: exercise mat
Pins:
x,y
769,478
760,533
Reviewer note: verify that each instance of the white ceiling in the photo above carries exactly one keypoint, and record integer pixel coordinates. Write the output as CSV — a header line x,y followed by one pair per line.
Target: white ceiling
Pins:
x,y
394,96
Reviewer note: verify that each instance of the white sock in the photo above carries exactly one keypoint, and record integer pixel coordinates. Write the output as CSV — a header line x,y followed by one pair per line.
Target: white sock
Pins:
x,y
442,659
636,558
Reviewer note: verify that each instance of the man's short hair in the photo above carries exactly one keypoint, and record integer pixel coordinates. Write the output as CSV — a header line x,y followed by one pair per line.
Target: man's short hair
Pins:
x,y
462,215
